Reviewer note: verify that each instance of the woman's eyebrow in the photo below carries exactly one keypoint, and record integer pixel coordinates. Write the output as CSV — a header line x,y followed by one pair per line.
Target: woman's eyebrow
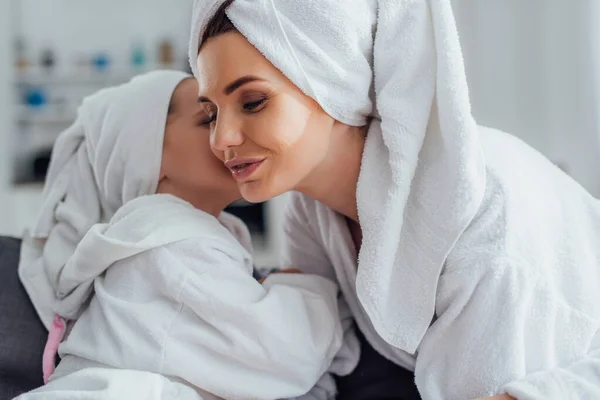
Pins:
x,y
233,86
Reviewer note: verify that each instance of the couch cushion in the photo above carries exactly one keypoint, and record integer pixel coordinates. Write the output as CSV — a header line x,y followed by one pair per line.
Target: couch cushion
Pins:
x,y
22,335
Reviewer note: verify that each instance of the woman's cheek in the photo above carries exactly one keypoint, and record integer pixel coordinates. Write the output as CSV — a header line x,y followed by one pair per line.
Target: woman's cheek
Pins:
x,y
279,133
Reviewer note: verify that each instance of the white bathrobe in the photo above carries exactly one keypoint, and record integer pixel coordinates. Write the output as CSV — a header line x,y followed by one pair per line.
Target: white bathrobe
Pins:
x,y
517,303
174,295
479,266
110,155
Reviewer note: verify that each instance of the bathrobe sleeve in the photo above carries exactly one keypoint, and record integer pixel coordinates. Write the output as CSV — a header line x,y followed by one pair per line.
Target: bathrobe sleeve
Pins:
x,y
501,328
580,380
236,338
304,252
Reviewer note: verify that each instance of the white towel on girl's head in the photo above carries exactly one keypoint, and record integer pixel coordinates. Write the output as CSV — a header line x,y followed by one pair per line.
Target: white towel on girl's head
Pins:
x,y
110,155
422,142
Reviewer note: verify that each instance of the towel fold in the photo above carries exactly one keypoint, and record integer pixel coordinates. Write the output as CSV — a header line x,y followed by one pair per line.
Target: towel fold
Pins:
x,y
399,62
110,155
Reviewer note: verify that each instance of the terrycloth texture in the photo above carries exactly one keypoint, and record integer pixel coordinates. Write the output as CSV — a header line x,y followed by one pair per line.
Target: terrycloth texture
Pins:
x,y
317,241
518,301
422,142
174,295
110,155
487,268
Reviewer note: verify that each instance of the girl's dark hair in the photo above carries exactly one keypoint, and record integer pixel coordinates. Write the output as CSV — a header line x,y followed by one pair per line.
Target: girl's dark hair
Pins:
x,y
218,24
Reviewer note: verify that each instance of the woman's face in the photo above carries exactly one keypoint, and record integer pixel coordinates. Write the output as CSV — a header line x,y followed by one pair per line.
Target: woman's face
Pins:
x,y
189,169
267,132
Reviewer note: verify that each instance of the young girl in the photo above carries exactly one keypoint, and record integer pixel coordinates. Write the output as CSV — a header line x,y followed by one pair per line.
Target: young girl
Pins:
x,y
134,256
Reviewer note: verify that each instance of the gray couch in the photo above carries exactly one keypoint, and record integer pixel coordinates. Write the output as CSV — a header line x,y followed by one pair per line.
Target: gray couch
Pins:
x,y
22,335
22,339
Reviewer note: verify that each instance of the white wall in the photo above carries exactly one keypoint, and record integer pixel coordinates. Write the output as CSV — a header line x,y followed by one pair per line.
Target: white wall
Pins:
x,y
73,28
5,107
532,68
84,26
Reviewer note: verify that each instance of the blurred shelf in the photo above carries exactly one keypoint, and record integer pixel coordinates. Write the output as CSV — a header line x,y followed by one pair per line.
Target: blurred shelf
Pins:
x,y
74,79
84,77
28,187
46,115
45,119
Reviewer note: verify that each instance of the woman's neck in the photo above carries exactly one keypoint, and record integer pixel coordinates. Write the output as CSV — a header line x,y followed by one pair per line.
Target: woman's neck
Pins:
x,y
334,182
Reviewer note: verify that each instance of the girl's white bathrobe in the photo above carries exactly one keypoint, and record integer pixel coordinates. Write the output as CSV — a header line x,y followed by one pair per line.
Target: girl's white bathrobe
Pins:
x,y
173,295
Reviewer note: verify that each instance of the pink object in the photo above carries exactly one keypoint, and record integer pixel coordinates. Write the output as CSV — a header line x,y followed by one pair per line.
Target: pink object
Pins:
x,y
57,331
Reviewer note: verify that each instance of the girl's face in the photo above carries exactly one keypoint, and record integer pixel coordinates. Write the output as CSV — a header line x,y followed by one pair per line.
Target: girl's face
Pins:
x,y
189,169
269,134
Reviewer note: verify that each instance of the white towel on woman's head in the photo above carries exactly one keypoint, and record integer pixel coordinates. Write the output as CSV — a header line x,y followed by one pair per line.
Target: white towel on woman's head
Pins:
x,y
326,38
110,155
422,175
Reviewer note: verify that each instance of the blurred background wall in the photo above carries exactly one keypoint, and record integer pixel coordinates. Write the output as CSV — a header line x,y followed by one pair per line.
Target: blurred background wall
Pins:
x,y
532,67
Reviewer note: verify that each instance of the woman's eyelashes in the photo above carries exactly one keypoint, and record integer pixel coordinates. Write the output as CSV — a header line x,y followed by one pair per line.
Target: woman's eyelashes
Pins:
x,y
250,104
254,106
254,100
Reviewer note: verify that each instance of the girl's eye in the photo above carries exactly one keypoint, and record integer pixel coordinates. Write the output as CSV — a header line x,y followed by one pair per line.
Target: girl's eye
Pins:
x,y
211,114
208,121
254,105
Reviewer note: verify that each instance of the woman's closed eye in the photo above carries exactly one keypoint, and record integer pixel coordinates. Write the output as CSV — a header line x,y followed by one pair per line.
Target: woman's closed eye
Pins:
x,y
254,106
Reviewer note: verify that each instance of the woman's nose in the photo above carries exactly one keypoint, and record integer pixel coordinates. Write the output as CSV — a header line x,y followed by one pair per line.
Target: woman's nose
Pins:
x,y
226,134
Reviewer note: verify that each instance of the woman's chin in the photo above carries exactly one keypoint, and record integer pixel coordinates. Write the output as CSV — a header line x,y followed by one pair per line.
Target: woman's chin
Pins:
x,y
257,191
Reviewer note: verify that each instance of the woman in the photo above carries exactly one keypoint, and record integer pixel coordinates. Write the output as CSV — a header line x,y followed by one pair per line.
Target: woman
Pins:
x,y
464,255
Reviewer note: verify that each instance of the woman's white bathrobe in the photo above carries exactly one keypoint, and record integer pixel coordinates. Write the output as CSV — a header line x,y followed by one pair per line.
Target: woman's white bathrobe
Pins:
x,y
517,303
173,294
480,261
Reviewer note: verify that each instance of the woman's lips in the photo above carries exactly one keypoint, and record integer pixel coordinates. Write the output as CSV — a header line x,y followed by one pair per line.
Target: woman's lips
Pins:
x,y
243,168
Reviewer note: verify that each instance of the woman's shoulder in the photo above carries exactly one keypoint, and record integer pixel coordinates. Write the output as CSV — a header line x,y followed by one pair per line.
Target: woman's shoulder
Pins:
x,y
532,213
522,172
